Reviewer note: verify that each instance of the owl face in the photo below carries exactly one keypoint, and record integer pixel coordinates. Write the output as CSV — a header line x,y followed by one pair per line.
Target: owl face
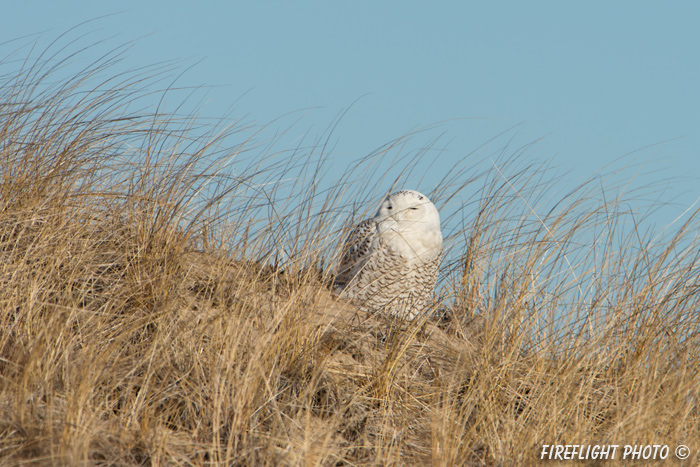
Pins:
x,y
409,208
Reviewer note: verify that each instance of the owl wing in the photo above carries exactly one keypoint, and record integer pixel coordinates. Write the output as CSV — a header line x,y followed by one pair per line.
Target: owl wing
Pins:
x,y
357,249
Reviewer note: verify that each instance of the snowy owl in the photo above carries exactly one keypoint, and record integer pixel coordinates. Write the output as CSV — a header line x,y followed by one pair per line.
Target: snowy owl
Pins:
x,y
390,262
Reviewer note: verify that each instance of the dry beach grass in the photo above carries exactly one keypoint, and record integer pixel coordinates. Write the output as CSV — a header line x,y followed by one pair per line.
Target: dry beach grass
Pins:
x,y
154,311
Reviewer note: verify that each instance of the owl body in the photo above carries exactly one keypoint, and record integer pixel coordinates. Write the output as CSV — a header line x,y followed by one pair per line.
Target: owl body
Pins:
x,y
390,262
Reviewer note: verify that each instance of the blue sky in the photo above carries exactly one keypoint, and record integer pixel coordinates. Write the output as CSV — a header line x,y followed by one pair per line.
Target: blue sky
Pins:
x,y
595,80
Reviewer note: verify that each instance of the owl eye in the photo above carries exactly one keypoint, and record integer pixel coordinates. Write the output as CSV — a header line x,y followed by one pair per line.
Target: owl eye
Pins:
x,y
389,207
413,209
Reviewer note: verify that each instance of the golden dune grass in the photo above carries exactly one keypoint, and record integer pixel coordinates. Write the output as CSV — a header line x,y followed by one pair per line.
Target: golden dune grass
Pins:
x,y
144,319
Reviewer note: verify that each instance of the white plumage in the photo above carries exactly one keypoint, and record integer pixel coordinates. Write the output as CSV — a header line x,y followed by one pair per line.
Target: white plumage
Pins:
x,y
390,262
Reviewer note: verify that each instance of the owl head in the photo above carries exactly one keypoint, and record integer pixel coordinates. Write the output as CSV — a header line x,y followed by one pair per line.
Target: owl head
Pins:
x,y
411,209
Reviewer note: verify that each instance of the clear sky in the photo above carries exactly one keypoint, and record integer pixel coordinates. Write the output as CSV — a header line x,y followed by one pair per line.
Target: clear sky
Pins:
x,y
596,80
